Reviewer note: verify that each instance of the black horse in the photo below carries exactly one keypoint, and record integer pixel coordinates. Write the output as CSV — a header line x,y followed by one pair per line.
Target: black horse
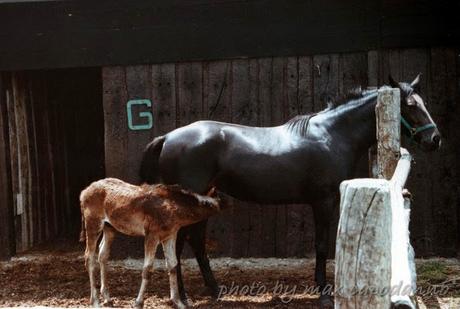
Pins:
x,y
301,161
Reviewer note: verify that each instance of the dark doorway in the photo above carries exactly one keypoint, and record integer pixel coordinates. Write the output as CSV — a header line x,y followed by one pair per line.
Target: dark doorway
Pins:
x,y
53,146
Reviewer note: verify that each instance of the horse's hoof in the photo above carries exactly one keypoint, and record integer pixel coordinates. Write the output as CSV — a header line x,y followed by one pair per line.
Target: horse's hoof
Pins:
x,y
325,301
209,291
138,304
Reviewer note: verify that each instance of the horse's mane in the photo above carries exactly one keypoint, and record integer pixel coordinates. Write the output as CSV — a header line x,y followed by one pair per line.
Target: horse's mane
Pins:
x,y
353,94
299,124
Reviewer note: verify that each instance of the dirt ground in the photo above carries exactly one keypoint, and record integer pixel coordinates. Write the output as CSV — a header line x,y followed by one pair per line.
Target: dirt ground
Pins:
x,y
57,278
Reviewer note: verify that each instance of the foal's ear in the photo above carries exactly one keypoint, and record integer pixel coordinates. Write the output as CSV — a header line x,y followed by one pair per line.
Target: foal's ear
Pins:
x,y
416,81
393,83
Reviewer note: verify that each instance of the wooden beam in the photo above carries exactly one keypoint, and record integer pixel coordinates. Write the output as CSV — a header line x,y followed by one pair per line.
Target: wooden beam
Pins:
x,y
100,33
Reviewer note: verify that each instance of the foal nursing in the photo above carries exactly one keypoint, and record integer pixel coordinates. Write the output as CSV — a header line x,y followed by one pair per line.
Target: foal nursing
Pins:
x,y
156,212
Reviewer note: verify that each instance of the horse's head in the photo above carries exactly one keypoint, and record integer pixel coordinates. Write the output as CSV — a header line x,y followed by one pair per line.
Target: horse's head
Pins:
x,y
415,119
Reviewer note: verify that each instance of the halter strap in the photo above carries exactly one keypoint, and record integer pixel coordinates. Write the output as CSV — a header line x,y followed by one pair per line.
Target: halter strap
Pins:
x,y
415,130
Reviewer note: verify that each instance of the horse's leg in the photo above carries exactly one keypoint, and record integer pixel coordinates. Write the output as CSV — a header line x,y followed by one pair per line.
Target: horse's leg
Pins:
x,y
93,231
169,249
150,246
197,240
322,215
104,253
181,235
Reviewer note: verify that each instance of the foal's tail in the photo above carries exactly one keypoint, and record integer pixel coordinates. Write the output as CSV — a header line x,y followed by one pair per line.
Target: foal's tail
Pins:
x,y
83,230
149,165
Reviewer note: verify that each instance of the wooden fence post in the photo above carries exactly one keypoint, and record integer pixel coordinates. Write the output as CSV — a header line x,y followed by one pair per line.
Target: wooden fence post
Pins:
x,y
363,248
388,120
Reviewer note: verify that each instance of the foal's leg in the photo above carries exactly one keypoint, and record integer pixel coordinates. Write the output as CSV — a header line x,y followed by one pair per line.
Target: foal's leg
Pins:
x,y
93,231
197,240
323,215
169,248
150,248
104,253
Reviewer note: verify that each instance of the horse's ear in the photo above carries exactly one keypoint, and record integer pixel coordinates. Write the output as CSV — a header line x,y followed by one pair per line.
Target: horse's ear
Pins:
x,y
416,81
393,83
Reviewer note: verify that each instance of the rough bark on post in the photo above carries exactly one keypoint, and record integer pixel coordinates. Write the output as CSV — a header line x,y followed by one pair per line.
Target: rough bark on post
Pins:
x,y
363,248
388,114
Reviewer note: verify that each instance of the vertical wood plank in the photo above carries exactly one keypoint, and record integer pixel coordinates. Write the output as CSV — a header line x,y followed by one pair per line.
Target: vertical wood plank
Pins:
x,y
189,93
326,79
7,233
115,121
353,71
373,68
164,98
138,86
217,76
34,188
305,82
50,181
443,107
389,63
19,93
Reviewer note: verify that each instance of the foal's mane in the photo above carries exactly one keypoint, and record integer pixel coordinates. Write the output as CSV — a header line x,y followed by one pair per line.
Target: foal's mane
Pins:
x,y
299,124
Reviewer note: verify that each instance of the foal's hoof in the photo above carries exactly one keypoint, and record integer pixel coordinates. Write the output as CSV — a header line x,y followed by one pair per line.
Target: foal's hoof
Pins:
x,y
325,301
180,304
138,304
107,303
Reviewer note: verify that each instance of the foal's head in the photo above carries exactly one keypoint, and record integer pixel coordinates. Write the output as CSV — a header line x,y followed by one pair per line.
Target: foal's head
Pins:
x,y
415,118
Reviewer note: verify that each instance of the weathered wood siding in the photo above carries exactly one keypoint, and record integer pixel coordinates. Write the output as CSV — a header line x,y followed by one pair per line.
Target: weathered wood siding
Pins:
x,y
268,91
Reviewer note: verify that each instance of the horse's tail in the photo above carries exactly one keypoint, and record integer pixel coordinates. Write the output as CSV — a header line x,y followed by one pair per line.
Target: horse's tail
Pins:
x,y
149,165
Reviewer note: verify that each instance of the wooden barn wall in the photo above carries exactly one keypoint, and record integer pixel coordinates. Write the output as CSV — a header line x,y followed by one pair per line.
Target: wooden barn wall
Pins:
x,y
269,91
40,177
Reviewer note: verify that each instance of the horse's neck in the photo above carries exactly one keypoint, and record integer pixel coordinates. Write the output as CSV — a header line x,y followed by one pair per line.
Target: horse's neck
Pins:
x,y
354,123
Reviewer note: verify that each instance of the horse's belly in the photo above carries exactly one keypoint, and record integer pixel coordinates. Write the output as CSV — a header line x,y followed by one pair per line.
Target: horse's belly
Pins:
x,y
261,186
277,182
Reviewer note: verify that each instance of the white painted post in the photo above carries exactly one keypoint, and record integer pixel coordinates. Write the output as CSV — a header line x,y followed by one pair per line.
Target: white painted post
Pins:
x,y
403,275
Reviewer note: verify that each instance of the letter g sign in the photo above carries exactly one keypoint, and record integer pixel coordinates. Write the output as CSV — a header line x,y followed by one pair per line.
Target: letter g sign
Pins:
x,y
146,115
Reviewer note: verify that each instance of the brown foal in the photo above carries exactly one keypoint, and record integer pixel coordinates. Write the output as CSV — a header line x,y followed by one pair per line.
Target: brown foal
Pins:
x,y
156,212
